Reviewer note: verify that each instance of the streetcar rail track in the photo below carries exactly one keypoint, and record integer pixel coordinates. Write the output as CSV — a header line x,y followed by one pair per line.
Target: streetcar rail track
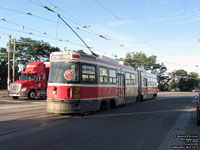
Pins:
x,y
50,118
14,113
27,118
21,107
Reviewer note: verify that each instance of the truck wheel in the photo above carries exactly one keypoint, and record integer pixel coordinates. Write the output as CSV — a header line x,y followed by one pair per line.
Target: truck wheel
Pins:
x,y
15,97
32,95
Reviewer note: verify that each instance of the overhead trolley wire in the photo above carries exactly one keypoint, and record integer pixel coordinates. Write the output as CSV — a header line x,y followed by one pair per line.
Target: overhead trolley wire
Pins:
x,y
38,2
71,29
186,65
80,24
44,34
67,3
108,10
31,14
36,16
76,20
47,8
33,34
78,28
55,6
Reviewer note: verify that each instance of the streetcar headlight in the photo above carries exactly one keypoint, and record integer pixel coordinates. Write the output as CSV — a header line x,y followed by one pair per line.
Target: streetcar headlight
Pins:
x,y
77,92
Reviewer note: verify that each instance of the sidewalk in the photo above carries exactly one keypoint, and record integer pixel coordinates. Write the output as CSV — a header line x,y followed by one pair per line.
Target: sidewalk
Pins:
x,y
3,93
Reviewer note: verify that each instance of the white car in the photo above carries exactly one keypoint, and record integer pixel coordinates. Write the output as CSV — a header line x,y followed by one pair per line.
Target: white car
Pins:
x,y
196,90
175,90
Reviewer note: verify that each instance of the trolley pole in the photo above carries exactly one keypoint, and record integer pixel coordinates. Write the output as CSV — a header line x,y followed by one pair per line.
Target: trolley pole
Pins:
x,y
14,47
9,46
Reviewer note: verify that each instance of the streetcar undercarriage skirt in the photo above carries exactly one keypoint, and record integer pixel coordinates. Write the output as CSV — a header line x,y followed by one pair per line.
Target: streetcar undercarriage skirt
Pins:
x,y
71,106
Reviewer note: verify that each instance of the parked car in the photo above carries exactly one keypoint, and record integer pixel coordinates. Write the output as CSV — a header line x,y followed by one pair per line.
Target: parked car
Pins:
x,y
198,112
175,90
196,90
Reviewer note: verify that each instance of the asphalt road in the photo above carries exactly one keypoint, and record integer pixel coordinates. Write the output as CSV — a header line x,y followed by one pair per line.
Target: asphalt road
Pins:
x,y
149,125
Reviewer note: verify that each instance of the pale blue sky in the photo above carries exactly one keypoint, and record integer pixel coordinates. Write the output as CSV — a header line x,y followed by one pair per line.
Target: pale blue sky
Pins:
x,y
168,29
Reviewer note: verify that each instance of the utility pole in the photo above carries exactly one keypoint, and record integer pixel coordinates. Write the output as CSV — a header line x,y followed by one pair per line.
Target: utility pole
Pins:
x,y
14,47
9,47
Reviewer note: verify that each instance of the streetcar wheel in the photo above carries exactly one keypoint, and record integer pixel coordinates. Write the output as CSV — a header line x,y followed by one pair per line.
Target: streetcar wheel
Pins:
x,y
141,98
138,98
104,105
15,97
112,104
154,96
32,95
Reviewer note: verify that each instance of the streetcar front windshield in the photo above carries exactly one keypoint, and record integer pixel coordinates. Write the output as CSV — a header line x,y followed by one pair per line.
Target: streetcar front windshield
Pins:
x,y
64,73
27,77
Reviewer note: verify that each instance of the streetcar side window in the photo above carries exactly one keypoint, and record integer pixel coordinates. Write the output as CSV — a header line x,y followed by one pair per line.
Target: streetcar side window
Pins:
x,y
152,82
112,76
132,79
127,78
148,82
88,73
155,82
103,75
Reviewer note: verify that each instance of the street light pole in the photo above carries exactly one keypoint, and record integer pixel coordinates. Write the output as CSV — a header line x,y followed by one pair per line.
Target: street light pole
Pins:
x,y
9,47
14,47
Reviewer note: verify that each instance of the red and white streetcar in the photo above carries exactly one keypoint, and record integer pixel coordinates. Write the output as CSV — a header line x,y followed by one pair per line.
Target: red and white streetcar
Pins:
x,y
81,83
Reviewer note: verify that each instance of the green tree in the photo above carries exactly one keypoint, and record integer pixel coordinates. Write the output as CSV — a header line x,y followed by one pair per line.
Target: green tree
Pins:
x,y
151,63
28,50
189,83
4,68
129,59
140,59
193,75
179,73
80,51
162,77
3,54
173,84
185,81
176,77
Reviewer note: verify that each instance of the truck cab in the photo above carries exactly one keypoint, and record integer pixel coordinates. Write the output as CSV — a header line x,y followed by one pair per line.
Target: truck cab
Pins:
x,y
32,82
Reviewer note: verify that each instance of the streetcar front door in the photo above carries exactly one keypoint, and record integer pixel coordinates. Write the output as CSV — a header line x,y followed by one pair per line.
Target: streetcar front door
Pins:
x,y
121,88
